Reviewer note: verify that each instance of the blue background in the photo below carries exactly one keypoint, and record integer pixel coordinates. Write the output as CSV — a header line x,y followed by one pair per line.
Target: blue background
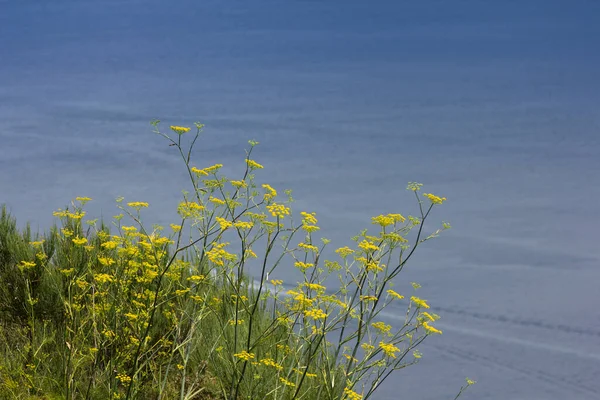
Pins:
x,y
494,105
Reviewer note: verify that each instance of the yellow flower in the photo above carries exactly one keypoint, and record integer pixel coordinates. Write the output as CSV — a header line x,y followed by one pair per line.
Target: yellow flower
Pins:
x,y
315,286
79,241
198,171
103,278
83,200
26,265
367,347
310,228
276,282
176,228
368,246
470,381
394,237
366,298
431,329
352,395
278,210
382,220
303,266
179,129
189,209
395,294
131,316
428,316
110,245
196,278
417,354
238,184
419,302
217,254
286,382
250,254
344,251
253,164
224,223
123,378
308,247
38,243
138,204
216,201
389,349
244,355
271,193
381,327
309,218
213,168
269,362
67,232
106,261
414,186
434,199
243,225
316,313
129,229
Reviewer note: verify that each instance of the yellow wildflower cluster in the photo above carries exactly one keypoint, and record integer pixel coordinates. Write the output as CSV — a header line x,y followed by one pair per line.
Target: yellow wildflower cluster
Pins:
x,y
238,184
368,246
309,218
270,192
253,164
244,355
389,219
179,129
367,298
344,251
243,225
103,278
79,241
223,223
419,302
300,298
431,329
303,266
217,254
189,209
216,201
138,204
315,286
382,327
23,265
434,199
316,313
278,210
308,247
123,378
389,349
67,214
352,395
394,294
269,362
286,382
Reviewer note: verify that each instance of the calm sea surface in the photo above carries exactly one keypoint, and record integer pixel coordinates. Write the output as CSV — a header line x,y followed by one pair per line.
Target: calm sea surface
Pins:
x,y
495,105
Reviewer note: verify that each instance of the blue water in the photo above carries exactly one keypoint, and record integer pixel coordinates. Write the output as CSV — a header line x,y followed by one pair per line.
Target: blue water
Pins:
x,y
494,105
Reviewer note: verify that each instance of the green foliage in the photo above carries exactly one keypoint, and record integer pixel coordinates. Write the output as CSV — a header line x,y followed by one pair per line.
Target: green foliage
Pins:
x,y
93,311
